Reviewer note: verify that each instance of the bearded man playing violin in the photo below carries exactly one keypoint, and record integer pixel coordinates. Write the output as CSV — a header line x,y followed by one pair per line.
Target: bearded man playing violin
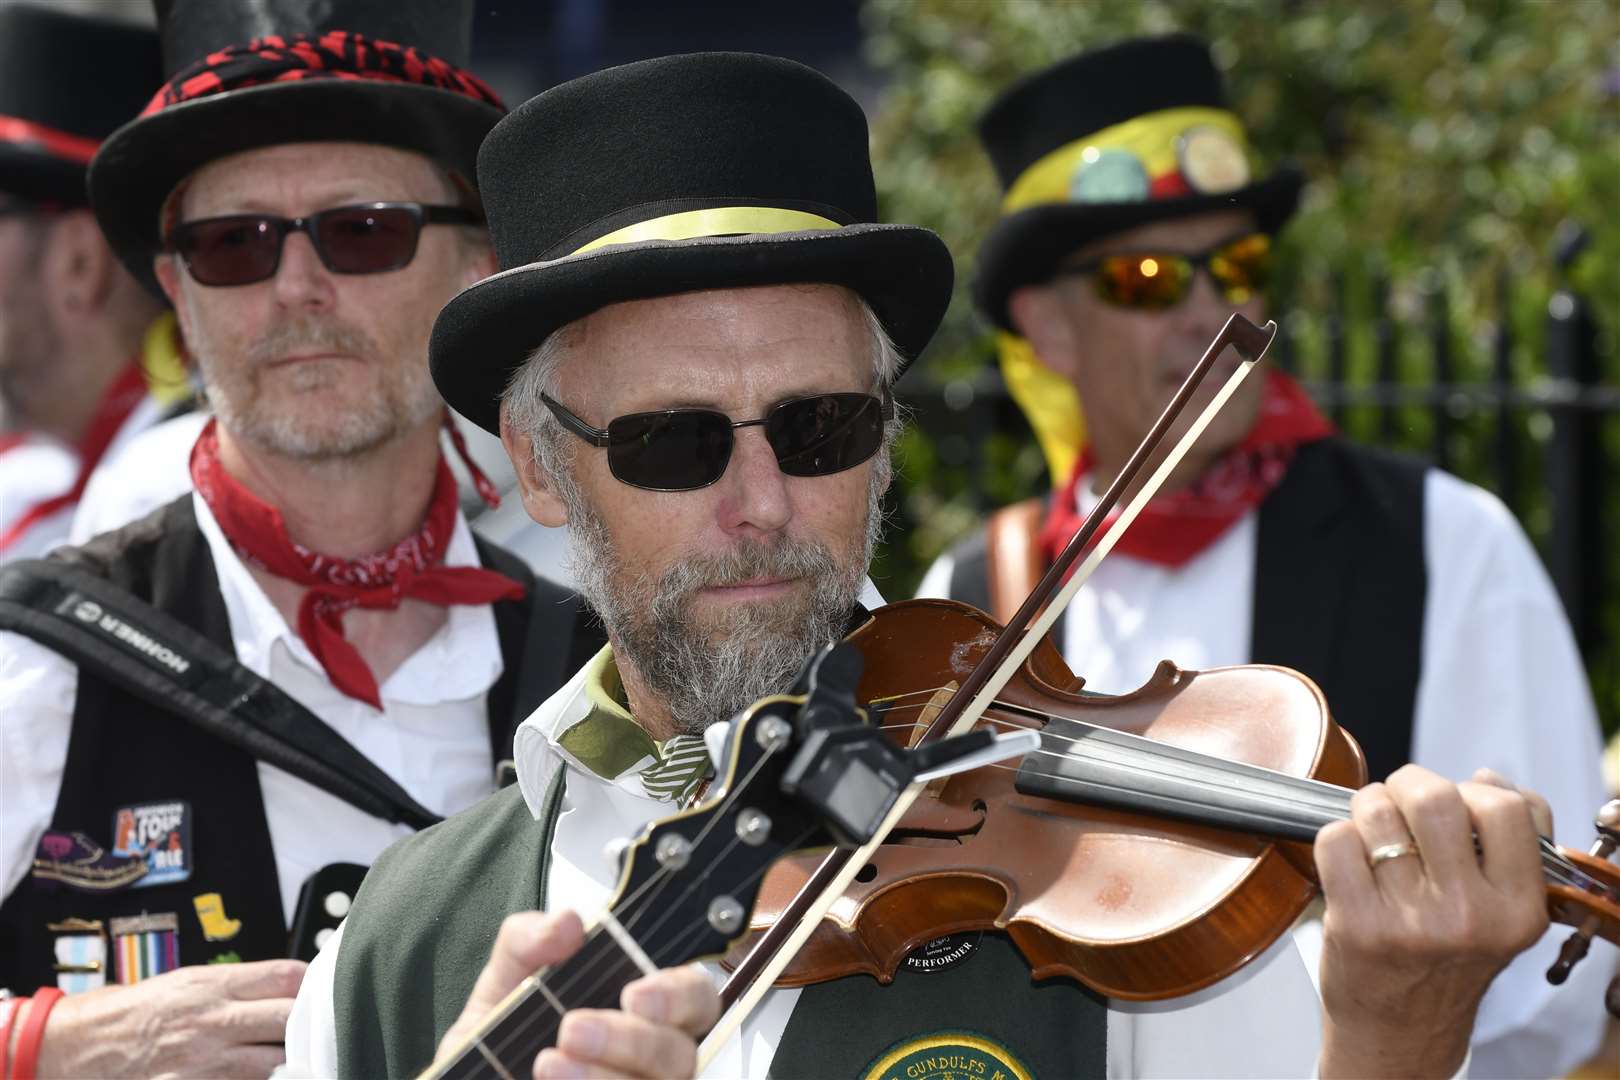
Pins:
x,y
690,360
1131,229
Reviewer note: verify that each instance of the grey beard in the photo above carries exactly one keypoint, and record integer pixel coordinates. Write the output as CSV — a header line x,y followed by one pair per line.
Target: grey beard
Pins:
x,y
405,401
708,673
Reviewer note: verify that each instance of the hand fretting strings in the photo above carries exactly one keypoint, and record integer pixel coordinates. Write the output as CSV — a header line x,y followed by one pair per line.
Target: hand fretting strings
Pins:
x,y
1313,801
537,1027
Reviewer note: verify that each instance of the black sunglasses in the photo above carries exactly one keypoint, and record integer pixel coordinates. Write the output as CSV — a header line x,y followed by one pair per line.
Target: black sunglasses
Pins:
x,y
686,449
370,238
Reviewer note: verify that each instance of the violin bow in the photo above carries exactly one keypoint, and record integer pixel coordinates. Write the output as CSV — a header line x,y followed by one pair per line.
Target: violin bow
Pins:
x,y
1023,632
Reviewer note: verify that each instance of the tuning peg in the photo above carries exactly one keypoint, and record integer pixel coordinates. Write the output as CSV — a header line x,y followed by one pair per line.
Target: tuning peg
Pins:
x,y
613,851
1607,824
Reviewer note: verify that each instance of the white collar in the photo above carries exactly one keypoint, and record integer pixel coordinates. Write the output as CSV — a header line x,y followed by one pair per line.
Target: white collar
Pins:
x,y
538,755
462,660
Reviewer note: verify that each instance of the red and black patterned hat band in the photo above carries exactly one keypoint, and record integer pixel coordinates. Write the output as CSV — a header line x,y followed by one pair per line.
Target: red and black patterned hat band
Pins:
x,y
335,54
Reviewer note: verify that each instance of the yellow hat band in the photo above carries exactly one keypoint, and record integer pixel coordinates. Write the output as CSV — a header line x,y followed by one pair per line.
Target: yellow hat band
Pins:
x,y
1165,154
714,221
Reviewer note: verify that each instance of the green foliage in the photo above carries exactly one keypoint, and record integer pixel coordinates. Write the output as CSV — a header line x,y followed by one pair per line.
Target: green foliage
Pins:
x,y
1445,142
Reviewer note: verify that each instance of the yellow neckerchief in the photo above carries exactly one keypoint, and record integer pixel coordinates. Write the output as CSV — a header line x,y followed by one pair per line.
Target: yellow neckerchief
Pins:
x,y
162,362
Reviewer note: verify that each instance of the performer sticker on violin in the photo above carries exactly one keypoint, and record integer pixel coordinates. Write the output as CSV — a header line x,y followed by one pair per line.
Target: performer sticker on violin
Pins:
x,y
948,1055
159,834
943,952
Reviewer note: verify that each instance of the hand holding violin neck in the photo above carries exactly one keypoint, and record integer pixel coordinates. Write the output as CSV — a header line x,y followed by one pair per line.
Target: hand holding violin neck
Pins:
x,y
1411,942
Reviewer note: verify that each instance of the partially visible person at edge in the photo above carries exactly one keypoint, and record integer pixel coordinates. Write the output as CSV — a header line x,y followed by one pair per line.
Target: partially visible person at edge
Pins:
x,y
1132,228
691,360
304,199
88,358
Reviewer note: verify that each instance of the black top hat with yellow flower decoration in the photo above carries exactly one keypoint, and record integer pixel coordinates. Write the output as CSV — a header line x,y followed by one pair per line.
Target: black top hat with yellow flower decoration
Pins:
x,y
247,74
703,171
66,82
1108,140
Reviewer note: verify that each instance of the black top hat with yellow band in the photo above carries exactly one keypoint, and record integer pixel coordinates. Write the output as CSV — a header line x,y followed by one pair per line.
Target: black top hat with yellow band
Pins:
x,y
246,74
1106,141
705,171
1103,142
66,82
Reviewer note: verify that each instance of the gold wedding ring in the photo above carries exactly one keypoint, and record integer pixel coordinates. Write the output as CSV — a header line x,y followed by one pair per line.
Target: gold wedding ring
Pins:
x,y
1385,852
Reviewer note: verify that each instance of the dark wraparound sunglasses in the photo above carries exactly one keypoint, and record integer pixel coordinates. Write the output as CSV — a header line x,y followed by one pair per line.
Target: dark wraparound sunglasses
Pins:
x,y
1153,280
685,449
370,238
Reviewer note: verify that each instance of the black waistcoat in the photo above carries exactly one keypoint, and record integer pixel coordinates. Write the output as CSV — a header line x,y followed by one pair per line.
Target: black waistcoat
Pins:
x,y
1340,584
123,752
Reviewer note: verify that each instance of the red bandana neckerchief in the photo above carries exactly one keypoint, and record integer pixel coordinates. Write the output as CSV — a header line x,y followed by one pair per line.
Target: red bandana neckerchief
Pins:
x,y
1173,528
414,567
126,392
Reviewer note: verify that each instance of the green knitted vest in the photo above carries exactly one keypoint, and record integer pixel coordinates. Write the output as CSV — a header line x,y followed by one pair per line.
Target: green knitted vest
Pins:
x,y
423,924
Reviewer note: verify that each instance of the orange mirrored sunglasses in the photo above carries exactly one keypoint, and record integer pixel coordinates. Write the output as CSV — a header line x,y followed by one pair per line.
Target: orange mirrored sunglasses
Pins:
x,y
1152,281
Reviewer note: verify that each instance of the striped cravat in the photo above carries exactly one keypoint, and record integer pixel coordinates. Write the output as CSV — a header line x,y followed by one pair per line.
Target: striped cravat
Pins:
x,y
683,762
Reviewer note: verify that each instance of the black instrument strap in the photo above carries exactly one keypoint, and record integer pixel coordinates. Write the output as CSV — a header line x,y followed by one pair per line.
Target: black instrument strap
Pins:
x,y
167,664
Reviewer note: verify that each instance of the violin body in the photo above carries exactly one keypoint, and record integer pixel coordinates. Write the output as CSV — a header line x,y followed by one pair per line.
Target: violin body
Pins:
x,y
1135,907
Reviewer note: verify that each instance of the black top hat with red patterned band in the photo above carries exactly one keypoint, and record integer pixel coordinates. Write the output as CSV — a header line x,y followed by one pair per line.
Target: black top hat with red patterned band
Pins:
x,y
704,171
1109,140
66,82
246,74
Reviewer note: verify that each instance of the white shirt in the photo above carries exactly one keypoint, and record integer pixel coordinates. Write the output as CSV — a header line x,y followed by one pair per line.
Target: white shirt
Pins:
x,y
1501,686
432,736
152,470
32,471
1262,1022
40,469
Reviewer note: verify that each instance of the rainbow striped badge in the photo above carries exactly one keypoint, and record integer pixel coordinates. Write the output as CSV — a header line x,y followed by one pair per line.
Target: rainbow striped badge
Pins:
x,y
144,946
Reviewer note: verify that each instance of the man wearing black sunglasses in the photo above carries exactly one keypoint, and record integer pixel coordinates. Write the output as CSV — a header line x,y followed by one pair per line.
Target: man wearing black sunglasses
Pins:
x,y
1132,228
690,360
179,821
87,357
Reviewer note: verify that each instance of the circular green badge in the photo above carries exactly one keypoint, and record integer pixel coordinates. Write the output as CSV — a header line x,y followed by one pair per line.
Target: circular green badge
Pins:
x,y
1109,176
948,1055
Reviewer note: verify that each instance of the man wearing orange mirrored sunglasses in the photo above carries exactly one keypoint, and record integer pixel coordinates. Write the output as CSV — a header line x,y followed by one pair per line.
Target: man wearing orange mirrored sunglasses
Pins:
x,y
1133,224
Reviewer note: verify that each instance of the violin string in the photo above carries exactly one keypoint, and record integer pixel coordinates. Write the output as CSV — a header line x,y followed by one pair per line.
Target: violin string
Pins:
x,y
1330,797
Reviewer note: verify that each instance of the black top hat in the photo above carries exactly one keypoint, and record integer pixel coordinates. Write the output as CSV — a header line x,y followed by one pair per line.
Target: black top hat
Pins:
x,y
66,81
1106,141
713,170
245,74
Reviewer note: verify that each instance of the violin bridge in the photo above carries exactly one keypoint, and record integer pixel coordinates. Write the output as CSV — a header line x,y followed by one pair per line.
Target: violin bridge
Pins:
x,y
924,719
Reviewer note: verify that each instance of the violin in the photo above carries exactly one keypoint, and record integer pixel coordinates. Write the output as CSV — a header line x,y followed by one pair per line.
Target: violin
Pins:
x,y
1155,843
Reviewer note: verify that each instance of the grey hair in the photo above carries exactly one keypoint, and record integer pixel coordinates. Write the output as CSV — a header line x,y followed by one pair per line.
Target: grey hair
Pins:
x,y
524,411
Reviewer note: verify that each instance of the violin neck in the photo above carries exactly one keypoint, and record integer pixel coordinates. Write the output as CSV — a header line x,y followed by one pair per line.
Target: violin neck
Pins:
x,y
1098,766
505,1044
1083,763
